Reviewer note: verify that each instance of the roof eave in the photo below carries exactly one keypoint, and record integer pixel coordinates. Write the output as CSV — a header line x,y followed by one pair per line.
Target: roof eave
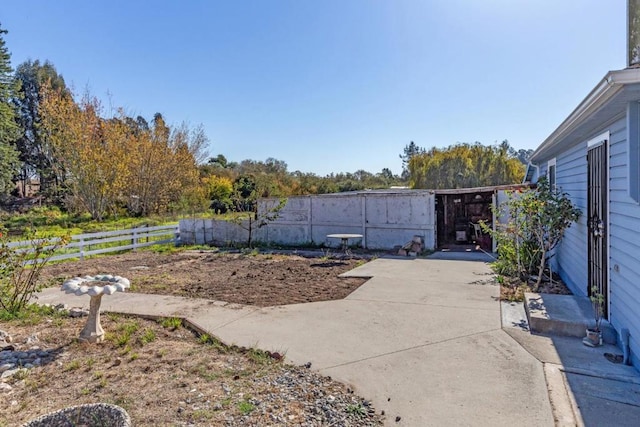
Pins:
x,y
606,89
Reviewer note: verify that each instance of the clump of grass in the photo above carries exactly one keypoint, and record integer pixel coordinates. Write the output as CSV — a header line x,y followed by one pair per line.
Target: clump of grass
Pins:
x,y
202,414
123,333
245,407
172,323
148,336
356,409
71,366
33,314
259,356
214,342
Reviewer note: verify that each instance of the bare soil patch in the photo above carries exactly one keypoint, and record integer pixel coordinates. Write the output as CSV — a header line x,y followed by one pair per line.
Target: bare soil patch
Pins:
x,y
164,375
259,279
513,289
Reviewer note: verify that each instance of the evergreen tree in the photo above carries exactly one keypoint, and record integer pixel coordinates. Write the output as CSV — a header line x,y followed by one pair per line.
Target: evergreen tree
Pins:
x,y
9,129
36,153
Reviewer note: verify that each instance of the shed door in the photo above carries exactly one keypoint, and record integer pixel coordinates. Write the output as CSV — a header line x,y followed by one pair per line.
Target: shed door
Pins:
x,y
597,221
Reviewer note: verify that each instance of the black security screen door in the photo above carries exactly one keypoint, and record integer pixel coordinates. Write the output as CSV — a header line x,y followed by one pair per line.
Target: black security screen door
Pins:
x,y
597,221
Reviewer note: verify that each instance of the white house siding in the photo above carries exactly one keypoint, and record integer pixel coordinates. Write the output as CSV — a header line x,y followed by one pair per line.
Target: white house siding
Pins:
x,y
624,243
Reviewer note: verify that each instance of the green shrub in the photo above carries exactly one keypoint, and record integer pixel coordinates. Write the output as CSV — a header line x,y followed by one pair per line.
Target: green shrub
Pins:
x,y
20,269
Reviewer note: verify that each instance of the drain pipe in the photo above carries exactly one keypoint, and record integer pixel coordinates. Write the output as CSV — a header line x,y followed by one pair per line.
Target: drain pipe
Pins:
x,y
626,352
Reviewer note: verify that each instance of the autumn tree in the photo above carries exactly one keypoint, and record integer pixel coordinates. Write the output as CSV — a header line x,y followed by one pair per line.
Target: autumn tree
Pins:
x,y
465,166
163,168
219,192
9,129
91,151
108,163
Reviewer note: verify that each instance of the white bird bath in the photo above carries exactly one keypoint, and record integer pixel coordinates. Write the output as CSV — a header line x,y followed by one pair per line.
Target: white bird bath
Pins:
x,y
95,287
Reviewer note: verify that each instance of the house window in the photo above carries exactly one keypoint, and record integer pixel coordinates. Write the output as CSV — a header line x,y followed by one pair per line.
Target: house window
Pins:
x,y
633,136
551,173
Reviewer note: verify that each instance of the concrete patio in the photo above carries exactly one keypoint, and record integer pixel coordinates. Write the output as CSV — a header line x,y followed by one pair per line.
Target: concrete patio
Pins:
x,y
422,339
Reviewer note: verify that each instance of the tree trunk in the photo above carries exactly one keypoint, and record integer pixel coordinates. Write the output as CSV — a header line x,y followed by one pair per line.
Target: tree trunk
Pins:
x,y
541,268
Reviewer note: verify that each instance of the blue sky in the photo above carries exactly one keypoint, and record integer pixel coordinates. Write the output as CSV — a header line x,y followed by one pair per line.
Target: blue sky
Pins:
x,y
331,85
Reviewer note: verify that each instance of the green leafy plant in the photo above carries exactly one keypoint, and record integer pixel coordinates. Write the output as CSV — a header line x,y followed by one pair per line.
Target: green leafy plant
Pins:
x,y
537,221
20,268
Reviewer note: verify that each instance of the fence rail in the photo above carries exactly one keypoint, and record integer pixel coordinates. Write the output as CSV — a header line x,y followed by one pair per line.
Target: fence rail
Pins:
x,y
88,244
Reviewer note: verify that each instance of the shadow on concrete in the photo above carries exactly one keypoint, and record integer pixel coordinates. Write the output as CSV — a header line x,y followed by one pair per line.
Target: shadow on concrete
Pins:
x,y
598,391
463,255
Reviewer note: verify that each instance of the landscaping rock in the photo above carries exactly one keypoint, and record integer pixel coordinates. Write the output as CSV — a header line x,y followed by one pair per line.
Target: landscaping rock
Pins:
x,y
110,415
4,336
78,312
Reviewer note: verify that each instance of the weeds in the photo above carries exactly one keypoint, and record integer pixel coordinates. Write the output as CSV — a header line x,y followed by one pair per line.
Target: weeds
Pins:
x,y
356,409
71,366
245,407
148,336
214,342
122,336
172,323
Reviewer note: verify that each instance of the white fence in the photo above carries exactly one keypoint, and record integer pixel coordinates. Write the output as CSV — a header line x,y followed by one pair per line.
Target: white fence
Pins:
x,y
88,244
384,219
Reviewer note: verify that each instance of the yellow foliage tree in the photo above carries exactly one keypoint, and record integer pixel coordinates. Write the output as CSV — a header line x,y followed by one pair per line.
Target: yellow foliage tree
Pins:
x,y
90,151
465,166
115,162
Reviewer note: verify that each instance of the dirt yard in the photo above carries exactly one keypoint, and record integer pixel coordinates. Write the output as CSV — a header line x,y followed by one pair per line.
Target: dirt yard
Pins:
x,y
166,375
258,279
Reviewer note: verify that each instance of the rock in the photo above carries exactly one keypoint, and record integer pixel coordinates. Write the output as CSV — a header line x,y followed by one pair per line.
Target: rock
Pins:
x,y
76,312
4,387
398,418
37,362
9,373
28,366
32,339
307,365
61,307
7,366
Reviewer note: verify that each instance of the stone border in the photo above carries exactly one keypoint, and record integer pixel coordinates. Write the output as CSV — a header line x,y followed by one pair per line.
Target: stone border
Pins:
x,y
92,414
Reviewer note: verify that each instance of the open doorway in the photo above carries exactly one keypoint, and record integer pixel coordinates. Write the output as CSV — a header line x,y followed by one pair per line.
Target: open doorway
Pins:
x,y
458,216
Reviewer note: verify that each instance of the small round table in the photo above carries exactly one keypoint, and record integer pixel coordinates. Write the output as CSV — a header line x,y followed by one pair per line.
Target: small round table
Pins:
x,y
345,240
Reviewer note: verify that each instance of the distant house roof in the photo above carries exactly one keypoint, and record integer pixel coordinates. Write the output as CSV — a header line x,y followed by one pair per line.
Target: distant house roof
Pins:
x,y
606,103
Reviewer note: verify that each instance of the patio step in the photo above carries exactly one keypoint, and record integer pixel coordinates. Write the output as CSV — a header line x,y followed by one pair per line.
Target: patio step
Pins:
x,y
567,315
